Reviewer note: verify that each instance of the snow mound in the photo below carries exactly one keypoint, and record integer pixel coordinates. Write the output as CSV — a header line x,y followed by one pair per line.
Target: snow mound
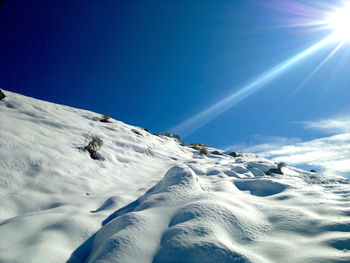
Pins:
x,y
177,221
149,199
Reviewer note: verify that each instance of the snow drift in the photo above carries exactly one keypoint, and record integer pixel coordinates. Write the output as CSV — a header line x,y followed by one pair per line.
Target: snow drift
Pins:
x,y
149,199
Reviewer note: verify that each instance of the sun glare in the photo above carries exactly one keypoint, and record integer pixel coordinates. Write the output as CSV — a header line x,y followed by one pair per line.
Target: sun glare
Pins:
x,y
319,18
339,21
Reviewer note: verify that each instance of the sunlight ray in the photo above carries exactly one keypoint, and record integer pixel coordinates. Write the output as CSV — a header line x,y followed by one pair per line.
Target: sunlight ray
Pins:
x,y
317,69
192,124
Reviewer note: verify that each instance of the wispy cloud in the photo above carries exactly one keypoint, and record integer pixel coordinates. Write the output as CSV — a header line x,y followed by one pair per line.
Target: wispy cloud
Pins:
x,y
330,155
268,144
334,125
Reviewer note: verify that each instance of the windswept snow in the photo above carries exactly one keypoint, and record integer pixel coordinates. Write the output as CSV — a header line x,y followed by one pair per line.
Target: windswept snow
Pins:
x,y
152,200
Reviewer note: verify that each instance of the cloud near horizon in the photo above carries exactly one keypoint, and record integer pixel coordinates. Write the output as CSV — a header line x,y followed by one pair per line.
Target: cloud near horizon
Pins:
x,y
333,125
329,155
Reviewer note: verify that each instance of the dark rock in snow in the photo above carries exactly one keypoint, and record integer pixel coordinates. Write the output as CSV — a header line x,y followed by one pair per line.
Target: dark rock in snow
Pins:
x,y
233,154
277,170
2,95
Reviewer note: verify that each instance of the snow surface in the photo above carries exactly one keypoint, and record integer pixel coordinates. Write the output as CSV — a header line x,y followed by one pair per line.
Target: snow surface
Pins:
x,y
151,199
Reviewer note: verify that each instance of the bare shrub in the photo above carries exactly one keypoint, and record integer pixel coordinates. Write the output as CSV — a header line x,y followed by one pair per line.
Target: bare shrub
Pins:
x,y
167,134
145,129
93,146
203,150
105,117
197,146
175,136
136,132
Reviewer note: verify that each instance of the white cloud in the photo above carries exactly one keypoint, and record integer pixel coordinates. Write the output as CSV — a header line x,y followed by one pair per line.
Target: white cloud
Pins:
x,y
268,144
330,155
333,125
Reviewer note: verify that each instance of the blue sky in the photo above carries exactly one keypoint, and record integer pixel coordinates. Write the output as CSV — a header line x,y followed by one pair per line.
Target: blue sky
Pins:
x,y
157,64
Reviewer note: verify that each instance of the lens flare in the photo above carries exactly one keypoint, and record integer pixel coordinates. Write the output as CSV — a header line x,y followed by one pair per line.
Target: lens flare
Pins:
x,y
339,21
318,17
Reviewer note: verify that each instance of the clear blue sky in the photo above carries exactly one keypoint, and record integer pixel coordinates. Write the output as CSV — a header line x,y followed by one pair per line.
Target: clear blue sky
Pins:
x,y
156,64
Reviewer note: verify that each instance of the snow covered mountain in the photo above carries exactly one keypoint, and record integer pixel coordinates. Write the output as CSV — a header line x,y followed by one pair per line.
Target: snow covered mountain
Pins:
x,y
149,199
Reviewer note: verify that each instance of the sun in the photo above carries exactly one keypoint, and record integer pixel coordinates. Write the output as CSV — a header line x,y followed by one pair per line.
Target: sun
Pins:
x,y
339,22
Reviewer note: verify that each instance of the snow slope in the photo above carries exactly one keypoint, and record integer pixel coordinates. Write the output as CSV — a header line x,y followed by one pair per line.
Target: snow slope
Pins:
x,y
151,199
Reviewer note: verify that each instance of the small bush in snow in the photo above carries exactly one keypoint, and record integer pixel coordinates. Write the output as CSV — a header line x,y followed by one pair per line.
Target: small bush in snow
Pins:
x,y
175,136
105,117
203,150
2,95
168,134
145,129
136,132
94,145
197,146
